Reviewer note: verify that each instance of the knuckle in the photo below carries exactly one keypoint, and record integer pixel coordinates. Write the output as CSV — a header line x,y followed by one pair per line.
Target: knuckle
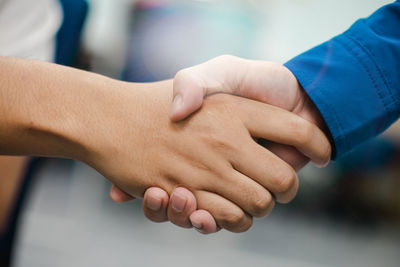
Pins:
x,y
243,227
289,195
183,78
285,180
181,75
235,221
226,58
233,218
261,205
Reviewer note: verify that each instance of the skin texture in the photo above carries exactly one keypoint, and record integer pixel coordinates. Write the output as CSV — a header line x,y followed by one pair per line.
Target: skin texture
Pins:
x,y
123,130
11,169
212,153
264,81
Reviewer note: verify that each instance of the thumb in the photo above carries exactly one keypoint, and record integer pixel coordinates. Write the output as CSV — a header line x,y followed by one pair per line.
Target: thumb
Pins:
x,y
188,94
218,75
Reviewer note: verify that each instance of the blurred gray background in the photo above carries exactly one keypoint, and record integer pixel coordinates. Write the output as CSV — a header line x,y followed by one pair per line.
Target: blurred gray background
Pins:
x,y
344,215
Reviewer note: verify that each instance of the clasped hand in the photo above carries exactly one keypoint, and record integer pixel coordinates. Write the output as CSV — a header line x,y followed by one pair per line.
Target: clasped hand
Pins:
x,y
210,164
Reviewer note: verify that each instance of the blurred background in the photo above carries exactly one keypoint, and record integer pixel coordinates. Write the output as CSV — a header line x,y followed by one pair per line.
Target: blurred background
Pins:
x,y
347,214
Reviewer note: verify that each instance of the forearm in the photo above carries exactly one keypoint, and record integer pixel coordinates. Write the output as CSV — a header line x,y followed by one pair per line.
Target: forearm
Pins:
x,y
47,109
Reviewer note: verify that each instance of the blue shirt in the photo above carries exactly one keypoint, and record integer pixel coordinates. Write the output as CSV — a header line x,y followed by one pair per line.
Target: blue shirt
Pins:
x,y
354,78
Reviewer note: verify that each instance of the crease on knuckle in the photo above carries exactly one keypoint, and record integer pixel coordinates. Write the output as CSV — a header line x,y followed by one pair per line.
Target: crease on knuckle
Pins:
x,y
289,195
285,180
235,221
261,205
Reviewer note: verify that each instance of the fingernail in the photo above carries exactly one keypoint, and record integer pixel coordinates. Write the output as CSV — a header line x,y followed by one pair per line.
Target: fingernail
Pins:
x,y
177,103
178,202
154,203
197,225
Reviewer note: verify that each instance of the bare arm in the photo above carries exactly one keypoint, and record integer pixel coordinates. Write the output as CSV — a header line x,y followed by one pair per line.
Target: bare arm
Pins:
x,y
123,130
44,108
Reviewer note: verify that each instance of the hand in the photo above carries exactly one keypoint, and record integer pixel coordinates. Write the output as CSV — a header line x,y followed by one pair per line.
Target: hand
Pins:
x,y
212,73
260,80
212,154
123,131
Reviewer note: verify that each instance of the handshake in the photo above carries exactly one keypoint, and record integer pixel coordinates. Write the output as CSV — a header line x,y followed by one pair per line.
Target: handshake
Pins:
x,y
208,155
237,133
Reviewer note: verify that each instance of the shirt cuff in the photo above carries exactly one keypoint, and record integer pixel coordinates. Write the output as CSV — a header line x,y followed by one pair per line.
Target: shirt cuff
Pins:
x,y
346,85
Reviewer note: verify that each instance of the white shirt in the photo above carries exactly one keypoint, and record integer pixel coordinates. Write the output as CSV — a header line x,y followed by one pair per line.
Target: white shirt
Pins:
x,y
28,28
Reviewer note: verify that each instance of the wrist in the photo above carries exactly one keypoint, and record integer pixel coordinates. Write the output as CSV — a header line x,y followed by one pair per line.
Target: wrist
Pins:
x,y
74,110
114,109
93,118
57,111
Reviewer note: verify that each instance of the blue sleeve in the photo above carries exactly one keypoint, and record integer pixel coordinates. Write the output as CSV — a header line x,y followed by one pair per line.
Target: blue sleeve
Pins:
x,y
354,78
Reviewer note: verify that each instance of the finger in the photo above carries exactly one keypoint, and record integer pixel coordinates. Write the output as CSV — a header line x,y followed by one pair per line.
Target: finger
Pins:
x,y
281,126
221,74
242,191
268,170
182,203
204,222
188,95
221,178
287,153
155,204
227,215
117,195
